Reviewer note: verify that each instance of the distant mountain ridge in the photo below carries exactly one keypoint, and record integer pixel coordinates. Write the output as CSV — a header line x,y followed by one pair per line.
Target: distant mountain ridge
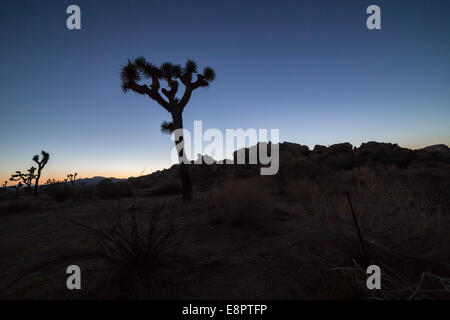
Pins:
x,y
95,180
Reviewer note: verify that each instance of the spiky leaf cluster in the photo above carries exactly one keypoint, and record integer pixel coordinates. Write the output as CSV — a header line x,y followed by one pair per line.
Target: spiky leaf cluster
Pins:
x,y
134,71
167,127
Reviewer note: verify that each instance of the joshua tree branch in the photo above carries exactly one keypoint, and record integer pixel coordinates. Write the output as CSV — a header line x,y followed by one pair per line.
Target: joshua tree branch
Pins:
x,y
170,94
190,87
151,92
186,96
157,97
201,82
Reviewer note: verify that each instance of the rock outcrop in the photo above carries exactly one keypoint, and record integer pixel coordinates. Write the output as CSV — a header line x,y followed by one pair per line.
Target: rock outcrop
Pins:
x,y
340,148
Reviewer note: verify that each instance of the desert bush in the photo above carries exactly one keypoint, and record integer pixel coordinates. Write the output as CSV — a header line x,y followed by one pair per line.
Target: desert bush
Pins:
x,y
143,183
245,170
345,161
404,231
59,193
108,189
237,203
85,191
168,188
135,245
294,173
400,158
304,169
130,250
20,205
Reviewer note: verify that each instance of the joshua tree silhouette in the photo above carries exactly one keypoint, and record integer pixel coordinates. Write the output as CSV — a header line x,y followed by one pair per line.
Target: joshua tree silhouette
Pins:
x,y
41,164
134,71
25,178
72,178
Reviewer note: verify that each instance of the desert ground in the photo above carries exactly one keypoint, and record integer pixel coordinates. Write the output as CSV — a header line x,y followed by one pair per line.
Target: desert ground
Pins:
x,y
244,236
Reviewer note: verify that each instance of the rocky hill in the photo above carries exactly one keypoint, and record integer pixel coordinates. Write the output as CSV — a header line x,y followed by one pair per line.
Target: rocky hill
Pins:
x,y
296,157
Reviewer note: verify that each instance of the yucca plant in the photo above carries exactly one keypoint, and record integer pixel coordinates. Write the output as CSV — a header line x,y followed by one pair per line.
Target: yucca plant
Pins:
x,y
133,247
140,69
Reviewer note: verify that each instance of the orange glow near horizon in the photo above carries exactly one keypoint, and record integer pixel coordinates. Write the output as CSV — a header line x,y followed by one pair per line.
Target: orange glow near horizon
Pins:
x,y
59,171
58,175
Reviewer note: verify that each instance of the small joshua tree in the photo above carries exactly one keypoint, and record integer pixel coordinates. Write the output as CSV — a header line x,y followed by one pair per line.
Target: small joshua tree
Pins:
x,y
72,178
25,178
41,164
134,71
18,187
4,187
51,181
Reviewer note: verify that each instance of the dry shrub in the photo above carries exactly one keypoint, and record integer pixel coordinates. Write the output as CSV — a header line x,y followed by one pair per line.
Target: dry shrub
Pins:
x,y
405,233
59,193
107,189
131,251
168,188
135,246
238,202
20,205
302,169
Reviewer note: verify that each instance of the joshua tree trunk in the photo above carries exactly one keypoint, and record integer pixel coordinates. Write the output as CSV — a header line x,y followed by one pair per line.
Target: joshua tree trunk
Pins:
x,y
182,159
36,184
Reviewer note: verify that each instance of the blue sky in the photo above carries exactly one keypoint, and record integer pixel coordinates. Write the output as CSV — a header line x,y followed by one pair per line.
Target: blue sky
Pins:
x,y
310,68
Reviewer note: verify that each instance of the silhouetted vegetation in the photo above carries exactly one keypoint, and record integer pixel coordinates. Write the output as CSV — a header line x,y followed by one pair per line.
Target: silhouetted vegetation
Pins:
x,y
21,205
25,178
41,164
109,189
135,246
167,127
132,249
167,188
59,192
51,181
18,187
139,69
4,188
72,177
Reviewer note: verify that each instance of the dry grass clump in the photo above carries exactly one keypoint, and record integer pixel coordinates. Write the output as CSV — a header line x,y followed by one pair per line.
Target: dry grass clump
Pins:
x,y
22,204
135,246
171,187
107,189
238,202
404,231
130,250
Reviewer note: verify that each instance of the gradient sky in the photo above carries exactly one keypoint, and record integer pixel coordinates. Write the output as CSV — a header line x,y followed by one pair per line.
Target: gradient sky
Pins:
x,y
310,68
